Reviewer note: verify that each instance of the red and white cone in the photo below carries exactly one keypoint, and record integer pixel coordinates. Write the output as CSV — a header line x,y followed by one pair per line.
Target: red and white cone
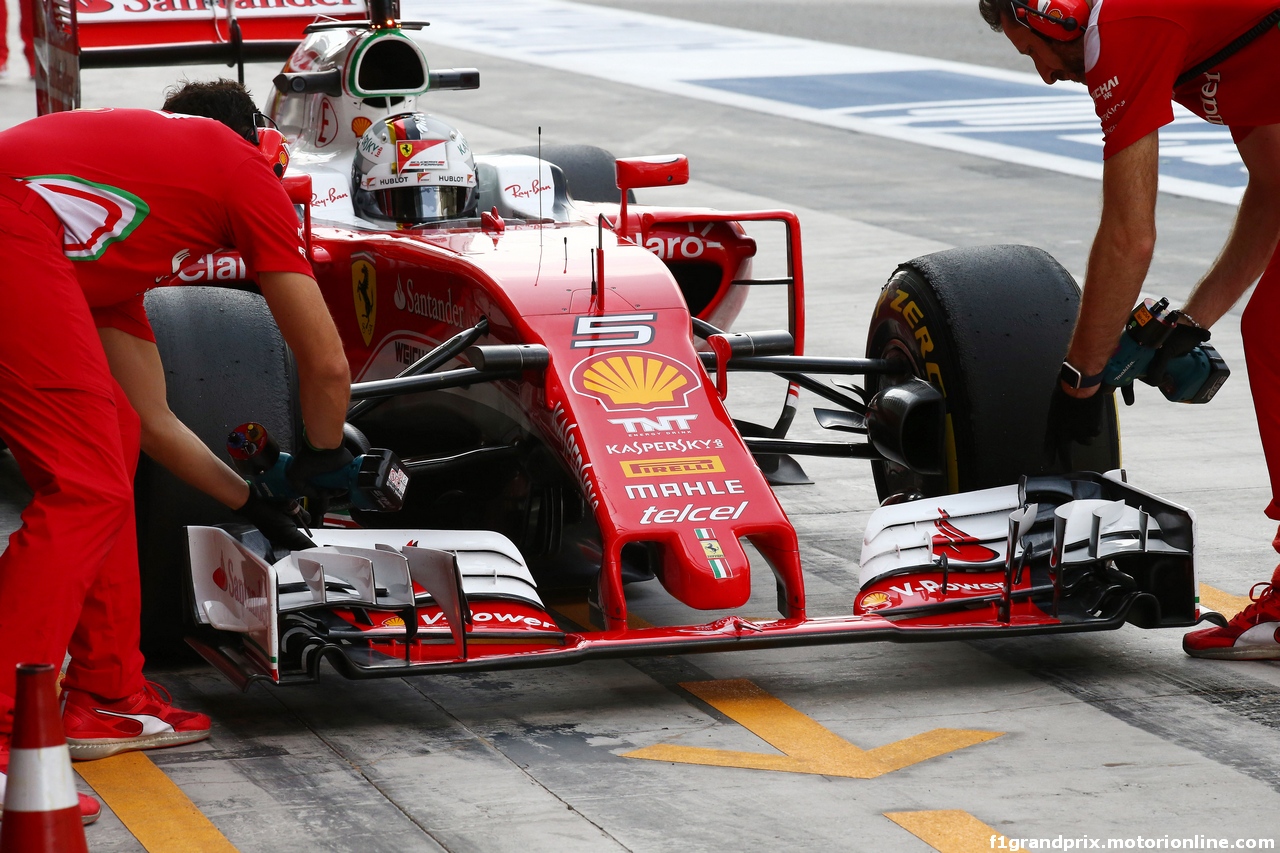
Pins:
x,y
41,807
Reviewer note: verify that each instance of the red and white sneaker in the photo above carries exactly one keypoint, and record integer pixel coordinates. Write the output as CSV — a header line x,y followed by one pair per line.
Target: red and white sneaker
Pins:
x,y
97,728
90,809
1252,634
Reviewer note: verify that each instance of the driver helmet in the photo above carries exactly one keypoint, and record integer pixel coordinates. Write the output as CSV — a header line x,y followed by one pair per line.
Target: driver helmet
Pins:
x,y
413,169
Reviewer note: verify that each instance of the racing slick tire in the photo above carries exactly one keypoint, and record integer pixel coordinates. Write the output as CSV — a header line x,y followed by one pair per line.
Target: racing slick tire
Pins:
x,y
590,171
988,326
225,363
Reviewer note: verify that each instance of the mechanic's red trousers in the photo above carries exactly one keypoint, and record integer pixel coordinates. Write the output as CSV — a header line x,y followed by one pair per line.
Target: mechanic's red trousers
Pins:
x,y
69,577
26,31
1259,329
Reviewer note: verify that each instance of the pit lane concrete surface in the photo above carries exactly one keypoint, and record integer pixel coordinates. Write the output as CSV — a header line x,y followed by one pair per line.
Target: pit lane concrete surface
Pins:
x,y
860,748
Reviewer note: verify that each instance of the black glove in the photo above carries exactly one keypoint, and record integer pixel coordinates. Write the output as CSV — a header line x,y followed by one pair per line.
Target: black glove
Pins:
x,y
1072,419
1182,340
276,521
308,464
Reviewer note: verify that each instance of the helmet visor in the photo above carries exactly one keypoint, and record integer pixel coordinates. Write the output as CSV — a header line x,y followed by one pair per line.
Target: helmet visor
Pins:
x,y
416,205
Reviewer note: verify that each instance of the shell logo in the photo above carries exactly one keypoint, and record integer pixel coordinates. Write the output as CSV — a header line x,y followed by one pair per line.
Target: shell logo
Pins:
x,y
393,622
874,601
632,379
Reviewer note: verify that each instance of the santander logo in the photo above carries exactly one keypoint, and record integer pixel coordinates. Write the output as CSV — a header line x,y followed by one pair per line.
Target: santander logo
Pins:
x,y
957,544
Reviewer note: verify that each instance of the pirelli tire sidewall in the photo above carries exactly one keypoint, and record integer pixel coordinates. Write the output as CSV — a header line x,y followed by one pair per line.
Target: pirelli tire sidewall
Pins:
x,y
225,363
989,327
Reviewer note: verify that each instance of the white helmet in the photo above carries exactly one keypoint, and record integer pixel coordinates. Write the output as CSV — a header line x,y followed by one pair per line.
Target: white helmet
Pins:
x,y
412,168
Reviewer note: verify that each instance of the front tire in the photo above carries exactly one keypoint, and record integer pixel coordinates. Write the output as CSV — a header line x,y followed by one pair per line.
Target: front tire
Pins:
x,y
225,363
989,327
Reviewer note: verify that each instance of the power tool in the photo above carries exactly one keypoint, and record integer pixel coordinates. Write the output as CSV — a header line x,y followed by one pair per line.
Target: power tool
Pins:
x,y
1193,377
375,480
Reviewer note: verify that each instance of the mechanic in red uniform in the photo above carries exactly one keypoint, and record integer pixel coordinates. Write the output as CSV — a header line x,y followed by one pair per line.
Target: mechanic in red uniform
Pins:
x,y
25,31
1129,53
96,205
134,359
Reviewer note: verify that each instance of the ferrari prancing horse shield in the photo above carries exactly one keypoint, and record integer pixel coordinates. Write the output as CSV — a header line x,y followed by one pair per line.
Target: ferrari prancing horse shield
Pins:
x,y
364,289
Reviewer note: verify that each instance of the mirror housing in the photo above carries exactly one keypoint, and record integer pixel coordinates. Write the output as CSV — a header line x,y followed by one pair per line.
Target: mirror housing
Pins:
x,y
663,170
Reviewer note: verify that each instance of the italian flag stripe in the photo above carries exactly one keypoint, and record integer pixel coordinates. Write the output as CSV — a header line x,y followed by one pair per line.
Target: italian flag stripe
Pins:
x,y
704,533
720,569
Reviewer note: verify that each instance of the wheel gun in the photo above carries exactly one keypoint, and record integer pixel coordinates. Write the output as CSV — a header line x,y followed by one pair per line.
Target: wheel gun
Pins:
x,y
1190,378
375,480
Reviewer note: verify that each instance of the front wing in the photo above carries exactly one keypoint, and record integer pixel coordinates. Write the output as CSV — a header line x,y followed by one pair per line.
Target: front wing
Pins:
x,y
1084,552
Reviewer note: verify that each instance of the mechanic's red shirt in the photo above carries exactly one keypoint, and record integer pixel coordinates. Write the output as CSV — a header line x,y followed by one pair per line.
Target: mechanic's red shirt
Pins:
x,y
139,192
1135,49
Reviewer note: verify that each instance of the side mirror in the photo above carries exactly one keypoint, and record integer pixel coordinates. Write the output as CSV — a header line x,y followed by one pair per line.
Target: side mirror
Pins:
x,y
664,170
668,170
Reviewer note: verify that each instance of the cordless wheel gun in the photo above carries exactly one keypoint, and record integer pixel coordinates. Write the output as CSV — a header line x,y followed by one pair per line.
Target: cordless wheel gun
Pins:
x,y
375,480
1193,377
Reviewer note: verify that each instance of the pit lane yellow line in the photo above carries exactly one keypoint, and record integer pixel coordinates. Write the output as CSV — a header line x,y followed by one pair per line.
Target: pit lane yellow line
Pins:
x,y
151,806
806,745
1223,602
951,831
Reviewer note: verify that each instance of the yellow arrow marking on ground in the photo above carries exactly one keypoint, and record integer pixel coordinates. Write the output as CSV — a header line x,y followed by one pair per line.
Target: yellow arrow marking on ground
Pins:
x,y
807,746
151,806
1223,602
947,831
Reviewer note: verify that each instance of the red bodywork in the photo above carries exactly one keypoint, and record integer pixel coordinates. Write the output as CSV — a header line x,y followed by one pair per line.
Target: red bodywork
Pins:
x,y
625,402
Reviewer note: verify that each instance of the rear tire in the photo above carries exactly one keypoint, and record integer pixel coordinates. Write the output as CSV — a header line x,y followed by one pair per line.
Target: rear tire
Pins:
x,y
989,327
225,363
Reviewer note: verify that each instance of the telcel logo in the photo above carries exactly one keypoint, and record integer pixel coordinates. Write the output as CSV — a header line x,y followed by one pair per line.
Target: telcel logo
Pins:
x,y
689,512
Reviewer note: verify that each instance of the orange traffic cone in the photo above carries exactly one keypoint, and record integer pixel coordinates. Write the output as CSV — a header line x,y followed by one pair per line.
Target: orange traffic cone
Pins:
x,y
41,807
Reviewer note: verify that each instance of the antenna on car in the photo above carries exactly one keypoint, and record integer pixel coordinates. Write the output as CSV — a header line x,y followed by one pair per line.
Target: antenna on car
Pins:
x,y
537,187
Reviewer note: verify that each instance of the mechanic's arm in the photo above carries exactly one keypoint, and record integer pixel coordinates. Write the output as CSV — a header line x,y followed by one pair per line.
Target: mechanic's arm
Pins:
x,y
1253,237
324,379
1120,256
135,363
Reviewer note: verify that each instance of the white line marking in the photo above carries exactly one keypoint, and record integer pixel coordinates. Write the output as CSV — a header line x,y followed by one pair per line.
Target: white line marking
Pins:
x,y
1056,130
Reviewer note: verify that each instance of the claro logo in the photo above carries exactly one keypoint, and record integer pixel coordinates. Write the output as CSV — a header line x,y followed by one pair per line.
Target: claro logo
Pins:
x,y
1209,97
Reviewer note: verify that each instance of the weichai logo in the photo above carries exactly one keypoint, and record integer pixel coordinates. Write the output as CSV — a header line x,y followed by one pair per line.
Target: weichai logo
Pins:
x,y
957,544
630,380
1104,91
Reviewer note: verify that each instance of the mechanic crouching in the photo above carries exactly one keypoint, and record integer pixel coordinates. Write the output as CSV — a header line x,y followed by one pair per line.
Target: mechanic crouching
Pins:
x,y
95,206
1221,61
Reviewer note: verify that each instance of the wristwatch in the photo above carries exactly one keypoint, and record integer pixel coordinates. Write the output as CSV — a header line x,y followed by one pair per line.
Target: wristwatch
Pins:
x,y
1075,379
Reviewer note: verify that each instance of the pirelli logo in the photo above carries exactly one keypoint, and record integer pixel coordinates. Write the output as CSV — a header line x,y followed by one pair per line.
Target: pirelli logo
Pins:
x,y
676,465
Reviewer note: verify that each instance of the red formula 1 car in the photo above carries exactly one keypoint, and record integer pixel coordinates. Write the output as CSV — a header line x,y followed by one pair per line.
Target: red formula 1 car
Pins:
x,y
551,362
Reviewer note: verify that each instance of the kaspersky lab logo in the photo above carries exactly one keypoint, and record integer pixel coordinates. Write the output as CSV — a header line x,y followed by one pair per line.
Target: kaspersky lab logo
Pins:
x,y
635,380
